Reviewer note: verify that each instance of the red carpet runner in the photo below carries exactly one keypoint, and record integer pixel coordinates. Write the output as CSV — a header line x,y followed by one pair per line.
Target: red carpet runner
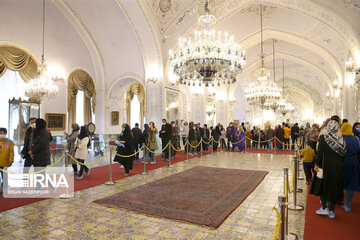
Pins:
x,y
346,225
99,175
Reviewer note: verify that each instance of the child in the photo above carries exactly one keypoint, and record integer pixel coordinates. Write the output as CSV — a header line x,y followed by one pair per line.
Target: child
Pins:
x,y
308,155
6,154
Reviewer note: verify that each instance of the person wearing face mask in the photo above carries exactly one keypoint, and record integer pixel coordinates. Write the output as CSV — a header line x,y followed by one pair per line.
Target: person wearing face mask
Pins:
x,y
29,136
165,134
6,154
71,139
40,148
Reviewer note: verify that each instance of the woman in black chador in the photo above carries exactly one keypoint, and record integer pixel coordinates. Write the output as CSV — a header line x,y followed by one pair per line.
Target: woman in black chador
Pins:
x,y
330,157
125,148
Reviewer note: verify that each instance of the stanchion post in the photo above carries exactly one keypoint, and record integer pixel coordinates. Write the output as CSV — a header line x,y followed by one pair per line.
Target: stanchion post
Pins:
x,y
201,147
144,154
66,194
170,166
110,182
294,206
275,145
187,152
282,205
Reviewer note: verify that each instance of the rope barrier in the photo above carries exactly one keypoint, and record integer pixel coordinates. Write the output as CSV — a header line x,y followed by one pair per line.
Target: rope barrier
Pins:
x,y
196,145
176,150
3,170
159,151
233,143
131,154
88,164
260,141
277,225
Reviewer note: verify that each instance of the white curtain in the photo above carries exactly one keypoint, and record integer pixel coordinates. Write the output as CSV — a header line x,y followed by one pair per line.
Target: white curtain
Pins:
x,y
11,86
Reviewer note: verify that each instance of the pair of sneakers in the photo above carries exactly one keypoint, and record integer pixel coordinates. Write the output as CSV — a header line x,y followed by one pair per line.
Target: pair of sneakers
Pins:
x,y
325,212
86,174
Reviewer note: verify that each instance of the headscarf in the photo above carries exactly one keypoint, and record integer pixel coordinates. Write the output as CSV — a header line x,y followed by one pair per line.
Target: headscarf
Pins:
x,y
75,127
83,133
355,131
40,124
333,139
346,129
146,130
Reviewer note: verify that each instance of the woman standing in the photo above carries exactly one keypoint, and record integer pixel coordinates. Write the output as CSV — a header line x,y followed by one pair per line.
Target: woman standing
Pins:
x,y
71,139
125,148
351,165
216,137
241,140
40,149
223,136
331,152
82,143
153,145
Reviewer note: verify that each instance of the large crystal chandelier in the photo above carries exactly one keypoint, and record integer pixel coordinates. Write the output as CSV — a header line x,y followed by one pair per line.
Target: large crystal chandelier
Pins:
x,y
261,91
41,86
284,105
207,59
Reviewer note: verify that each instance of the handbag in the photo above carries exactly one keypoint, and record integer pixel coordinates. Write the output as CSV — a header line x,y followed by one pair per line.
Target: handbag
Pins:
x,y
317,184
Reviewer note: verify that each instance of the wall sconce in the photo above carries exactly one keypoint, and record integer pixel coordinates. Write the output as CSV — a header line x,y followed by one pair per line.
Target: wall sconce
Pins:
x,y
349,66
152,80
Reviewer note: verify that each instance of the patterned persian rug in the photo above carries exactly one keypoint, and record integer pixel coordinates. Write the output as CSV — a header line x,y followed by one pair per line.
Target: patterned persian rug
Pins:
x,y
200,195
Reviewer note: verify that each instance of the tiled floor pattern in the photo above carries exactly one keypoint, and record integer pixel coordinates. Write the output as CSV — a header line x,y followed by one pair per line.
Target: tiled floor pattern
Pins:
x,y
80,218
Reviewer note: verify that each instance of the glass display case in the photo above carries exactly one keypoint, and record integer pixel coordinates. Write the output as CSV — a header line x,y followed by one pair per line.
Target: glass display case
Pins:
x,y
19,113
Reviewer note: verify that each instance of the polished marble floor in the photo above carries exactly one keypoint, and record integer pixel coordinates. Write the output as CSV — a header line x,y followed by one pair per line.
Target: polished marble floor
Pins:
x,y
80,218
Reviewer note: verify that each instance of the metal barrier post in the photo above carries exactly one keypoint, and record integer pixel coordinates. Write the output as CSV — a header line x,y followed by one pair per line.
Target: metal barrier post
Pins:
x,y
288,235
110,182
66,194
211,147
294,206
187,152
275,145
170,166
144,154
282,205
201,147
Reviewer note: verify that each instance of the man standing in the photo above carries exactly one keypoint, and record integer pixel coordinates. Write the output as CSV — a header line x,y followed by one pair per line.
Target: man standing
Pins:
x,y
165,134
6,154
136,132
269,134
280,137
205,134
294,134
28,140
185,134
286,136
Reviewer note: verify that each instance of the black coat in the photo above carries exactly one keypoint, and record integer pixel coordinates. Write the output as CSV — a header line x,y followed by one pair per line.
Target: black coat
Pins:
x,y
280,133
41,147
168,131
207,133
192,134
333,167
26,149
295,131
136,136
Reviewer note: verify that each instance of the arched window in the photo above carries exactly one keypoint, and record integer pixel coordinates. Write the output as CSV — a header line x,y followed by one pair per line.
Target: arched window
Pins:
x,y
135,107
11,86
135,110
81,98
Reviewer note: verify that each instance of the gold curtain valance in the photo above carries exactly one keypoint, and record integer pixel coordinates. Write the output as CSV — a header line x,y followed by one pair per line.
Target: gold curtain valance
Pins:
x,y
81,80
16,59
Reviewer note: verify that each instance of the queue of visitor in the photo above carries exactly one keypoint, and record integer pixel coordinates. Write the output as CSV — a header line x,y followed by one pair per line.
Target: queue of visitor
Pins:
x,y
330,153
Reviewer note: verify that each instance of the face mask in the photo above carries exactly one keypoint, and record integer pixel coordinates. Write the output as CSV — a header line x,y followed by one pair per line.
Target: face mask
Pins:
x,y
32,125
358,129
194,127
2,136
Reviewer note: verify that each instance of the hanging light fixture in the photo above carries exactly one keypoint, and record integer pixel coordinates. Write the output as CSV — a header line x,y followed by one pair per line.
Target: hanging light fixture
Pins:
x,y
285,106
41,86
262,90
207,59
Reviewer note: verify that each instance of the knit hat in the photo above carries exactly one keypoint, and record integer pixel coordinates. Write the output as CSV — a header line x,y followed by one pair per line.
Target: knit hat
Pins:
x,y
346,129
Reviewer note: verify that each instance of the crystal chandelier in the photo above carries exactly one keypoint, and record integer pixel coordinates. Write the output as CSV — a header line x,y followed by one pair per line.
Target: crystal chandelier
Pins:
x,y
41,86
261,91
207,59
285,106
